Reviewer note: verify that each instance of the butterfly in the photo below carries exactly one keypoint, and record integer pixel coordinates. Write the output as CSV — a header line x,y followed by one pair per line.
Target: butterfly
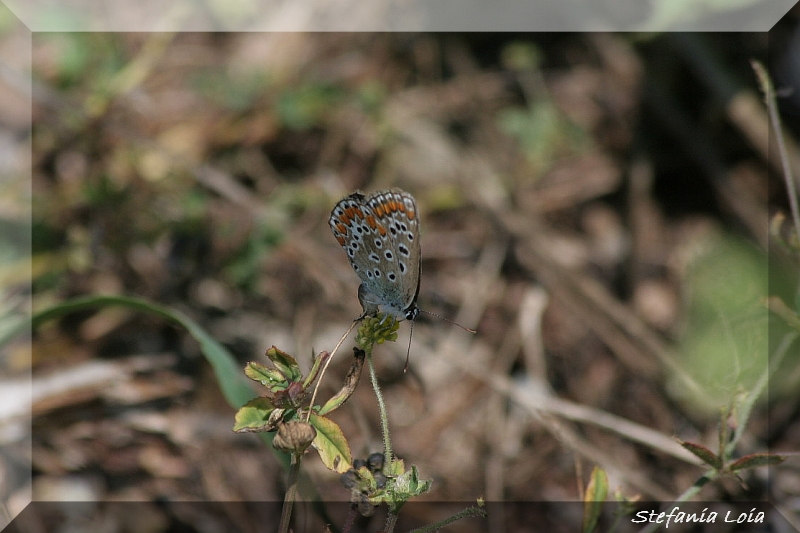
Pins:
x,y
380,234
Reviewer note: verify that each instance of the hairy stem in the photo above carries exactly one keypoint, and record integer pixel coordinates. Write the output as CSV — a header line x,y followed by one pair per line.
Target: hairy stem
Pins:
x,y
373,376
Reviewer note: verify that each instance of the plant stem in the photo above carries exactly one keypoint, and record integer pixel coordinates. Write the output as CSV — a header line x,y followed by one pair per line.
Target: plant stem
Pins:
x,y
772,108
325,367
391,521
373,376
466,513
747,405
686,496
291,490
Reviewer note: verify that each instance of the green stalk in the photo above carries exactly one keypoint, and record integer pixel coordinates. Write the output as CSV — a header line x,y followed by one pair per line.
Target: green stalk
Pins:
x,y
373,376
466,513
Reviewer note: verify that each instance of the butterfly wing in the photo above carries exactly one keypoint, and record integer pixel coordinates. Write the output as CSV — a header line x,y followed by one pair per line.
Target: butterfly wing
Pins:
x,y
380,234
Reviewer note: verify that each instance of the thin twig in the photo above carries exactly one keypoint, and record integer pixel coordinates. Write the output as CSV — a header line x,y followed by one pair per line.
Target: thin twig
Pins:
x,y
547,403
775,121
325,367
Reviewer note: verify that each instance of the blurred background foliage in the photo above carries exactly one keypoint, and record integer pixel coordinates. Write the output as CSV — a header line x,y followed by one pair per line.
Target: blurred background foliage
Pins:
x,y
617,172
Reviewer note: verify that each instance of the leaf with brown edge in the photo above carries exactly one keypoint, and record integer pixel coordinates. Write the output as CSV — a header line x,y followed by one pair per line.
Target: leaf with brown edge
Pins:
x,y
285,363
254,416
703,453
269,377
755,460
596,493
315,368
331,444
349,386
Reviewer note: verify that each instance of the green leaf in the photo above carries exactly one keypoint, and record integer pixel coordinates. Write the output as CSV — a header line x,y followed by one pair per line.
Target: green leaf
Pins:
x,y
395,468
705,455
348,387
235,388
269,377
725,347
402,488
331,444
315,368
596,493
228,372
285,363
368,482
254,416
755,460
410,485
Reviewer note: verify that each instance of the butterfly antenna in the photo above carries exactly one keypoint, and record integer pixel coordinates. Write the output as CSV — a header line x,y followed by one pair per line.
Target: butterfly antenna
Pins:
x,y
468,330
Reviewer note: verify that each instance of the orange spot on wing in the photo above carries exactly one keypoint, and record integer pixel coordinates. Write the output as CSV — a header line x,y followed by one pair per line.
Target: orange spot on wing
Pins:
x,y
410,214
341,240
342,229
371,221
382,231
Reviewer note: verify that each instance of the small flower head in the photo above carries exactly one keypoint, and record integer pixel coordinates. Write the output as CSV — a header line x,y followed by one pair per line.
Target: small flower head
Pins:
x,y
376,330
